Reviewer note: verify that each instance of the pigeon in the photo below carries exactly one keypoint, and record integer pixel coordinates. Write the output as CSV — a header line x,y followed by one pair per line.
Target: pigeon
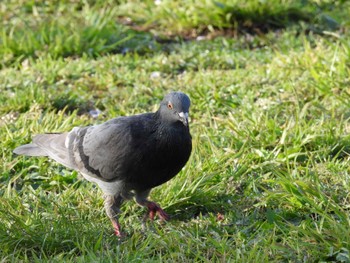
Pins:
x,y
125,156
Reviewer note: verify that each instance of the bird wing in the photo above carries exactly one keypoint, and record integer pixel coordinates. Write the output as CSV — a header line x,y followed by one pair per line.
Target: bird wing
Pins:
x,y
103,151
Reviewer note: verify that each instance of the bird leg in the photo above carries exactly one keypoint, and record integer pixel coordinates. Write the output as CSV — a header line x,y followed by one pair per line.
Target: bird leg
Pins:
x,y
153,208
112,205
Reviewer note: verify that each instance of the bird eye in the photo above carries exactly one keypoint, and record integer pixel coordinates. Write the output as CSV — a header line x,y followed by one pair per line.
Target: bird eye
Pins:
x,y
170,105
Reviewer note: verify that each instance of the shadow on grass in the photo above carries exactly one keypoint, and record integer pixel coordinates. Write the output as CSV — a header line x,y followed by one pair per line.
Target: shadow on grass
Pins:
x,y
265,19
200,205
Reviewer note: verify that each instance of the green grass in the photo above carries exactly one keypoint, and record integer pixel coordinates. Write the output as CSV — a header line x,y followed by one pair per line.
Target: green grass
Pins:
x,y
268,179
193,17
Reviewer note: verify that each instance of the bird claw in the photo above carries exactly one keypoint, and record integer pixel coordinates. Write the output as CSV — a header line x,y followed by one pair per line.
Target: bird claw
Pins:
x,y
155,209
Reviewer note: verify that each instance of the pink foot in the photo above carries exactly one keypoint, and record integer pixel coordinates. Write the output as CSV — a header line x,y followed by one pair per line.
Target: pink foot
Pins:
x,y
154,209
117,230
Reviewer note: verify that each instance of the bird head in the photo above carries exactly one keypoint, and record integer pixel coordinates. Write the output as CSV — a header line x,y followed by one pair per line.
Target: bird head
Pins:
x,y
175,107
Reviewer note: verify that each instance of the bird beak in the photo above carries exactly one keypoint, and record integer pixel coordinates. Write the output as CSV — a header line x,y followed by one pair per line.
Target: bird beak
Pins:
x,y
184,118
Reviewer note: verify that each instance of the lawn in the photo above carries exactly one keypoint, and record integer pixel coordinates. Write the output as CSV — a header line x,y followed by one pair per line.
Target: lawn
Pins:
x,y
269,175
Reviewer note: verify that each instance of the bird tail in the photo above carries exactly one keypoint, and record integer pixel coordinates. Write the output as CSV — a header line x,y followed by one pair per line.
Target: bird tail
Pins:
x,y
52,145
30,150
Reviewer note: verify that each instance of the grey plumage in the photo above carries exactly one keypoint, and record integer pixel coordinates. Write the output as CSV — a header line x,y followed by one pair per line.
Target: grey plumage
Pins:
x,y
125,156
51,145
30,150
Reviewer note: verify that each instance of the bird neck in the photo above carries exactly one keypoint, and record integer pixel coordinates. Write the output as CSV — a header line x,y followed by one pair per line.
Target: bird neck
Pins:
x,y
165,125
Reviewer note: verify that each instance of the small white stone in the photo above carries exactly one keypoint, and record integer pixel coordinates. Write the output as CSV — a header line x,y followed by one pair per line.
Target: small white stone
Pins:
x,y
95,113
155,75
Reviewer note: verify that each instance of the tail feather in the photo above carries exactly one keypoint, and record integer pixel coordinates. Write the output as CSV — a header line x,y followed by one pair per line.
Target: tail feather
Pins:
x,y
30,150
52,145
